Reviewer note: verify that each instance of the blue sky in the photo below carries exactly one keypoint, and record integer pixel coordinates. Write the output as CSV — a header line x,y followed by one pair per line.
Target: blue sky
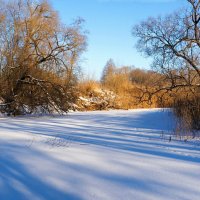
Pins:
x,y
109,23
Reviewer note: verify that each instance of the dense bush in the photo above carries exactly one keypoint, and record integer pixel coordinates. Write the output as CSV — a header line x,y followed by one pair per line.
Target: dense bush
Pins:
x,y
38,58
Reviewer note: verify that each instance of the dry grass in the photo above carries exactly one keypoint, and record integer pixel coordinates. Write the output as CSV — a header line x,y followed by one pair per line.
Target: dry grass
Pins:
x,y
187,110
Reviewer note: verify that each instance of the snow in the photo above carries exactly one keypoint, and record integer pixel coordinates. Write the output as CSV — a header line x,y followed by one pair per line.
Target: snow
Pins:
x,y
102,155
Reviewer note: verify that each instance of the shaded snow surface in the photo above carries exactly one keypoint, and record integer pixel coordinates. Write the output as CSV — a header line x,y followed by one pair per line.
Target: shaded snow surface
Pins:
x,y
115,155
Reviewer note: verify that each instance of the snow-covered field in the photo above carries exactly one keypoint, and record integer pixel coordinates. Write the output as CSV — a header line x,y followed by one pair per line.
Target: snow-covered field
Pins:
x,y
115,155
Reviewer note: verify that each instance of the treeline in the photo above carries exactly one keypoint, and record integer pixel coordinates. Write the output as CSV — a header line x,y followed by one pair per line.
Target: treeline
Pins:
x,y
123,87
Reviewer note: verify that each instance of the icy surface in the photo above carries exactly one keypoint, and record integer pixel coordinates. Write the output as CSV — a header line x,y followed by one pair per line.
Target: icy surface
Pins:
x,y
115,155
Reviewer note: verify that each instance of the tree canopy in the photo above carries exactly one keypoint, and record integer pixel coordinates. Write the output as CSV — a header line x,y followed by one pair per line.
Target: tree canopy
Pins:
x,y
38,57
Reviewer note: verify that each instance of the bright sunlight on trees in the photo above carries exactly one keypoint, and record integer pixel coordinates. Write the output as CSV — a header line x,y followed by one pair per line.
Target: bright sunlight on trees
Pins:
x,y
38,57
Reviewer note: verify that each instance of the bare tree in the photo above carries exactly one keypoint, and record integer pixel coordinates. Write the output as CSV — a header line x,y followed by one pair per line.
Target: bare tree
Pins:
x,y
108,71
174,43
38,57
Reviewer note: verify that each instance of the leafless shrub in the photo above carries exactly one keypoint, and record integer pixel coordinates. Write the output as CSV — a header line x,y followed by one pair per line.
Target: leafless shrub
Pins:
x,y
187,109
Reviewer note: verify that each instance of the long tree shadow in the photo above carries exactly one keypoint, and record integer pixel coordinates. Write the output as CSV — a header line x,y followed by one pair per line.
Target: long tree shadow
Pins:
x,y
129,133
19,184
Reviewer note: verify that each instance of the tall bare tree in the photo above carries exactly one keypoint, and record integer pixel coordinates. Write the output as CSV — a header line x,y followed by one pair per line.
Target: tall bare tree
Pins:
x,y
174,43
38,57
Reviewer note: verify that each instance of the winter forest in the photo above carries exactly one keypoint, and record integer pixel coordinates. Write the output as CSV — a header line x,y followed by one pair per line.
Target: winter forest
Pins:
x,y
132,133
